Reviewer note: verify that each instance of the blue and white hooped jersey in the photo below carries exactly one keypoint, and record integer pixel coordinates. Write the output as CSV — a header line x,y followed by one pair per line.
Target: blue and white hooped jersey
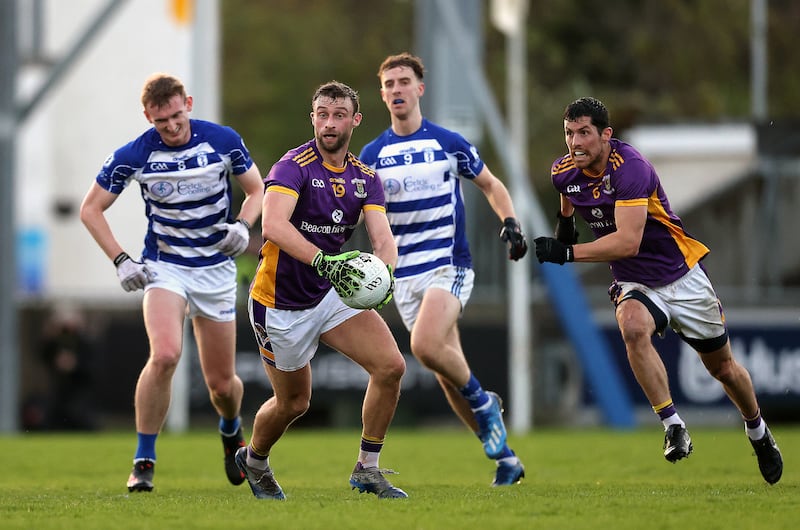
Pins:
x,y
424,200
186,190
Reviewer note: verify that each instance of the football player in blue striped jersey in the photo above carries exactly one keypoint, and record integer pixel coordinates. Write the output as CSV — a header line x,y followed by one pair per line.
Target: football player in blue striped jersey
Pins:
x,y
423,167
185,169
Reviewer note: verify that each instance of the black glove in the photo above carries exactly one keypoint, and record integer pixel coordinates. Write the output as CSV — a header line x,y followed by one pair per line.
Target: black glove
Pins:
x,y
566,229
512,234
552,250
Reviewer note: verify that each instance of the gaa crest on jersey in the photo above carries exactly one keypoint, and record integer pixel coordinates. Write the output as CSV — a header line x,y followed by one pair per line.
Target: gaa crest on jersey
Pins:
x,y
337,216
608,189
597,212
391,186
161,188
361,189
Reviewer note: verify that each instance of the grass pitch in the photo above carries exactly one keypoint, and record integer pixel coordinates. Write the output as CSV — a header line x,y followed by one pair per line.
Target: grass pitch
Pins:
x,y
585,478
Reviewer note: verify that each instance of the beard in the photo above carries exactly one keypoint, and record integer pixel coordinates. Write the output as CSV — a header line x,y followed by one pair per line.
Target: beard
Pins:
x,y
341,142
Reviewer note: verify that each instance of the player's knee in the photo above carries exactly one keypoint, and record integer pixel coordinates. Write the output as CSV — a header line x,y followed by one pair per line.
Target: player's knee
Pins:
x,y
389,371
634,332
164,360
295,407
396,368
285,410
723,371
220,388
425,352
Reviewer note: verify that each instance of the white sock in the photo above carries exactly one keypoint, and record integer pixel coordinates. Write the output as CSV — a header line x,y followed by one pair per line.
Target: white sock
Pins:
x,y
368,459
757,433
257,463
673,420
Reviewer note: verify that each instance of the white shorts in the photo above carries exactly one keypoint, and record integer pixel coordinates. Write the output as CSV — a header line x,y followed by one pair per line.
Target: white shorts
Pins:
x,y
408,292
289,339
209,291
688,305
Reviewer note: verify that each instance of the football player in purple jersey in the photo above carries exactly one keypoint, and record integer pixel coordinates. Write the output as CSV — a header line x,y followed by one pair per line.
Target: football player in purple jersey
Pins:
x,y
659,280
423,167
316,195
185,168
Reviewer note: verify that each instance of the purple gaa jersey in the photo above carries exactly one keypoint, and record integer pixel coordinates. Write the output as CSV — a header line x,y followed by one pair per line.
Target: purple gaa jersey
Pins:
x,y
666,252
329,204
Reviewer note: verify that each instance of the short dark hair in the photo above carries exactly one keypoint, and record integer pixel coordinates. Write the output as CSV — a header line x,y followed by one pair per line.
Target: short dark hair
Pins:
x,y
588,106
160,88
336,90
403,59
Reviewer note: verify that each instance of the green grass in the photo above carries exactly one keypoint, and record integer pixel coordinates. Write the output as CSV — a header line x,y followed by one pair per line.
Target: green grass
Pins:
x,y
576,479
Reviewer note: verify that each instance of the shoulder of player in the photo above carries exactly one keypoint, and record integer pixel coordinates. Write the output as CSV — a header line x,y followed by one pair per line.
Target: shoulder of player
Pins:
x,y
135,153
300,156
623,153
209,130
296,161
360,166
442,134
370,151
562,165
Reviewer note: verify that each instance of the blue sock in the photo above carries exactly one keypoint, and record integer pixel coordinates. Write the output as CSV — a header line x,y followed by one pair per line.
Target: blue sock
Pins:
x,y
473,393
146,447
229,427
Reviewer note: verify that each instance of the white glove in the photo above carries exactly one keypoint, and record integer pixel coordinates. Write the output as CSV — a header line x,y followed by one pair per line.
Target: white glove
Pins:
x,y
236,240
132,274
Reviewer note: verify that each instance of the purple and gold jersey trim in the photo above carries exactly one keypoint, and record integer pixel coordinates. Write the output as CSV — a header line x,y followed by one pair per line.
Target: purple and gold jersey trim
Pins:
x,y
666,251
330,201
284,190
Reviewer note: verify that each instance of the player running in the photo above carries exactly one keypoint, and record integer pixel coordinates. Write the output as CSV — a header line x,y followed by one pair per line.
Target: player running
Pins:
x,y
659,280
315,195
184,169
423,166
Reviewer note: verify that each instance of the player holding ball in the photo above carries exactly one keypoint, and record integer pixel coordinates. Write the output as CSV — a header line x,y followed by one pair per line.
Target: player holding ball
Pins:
x,y
315,195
